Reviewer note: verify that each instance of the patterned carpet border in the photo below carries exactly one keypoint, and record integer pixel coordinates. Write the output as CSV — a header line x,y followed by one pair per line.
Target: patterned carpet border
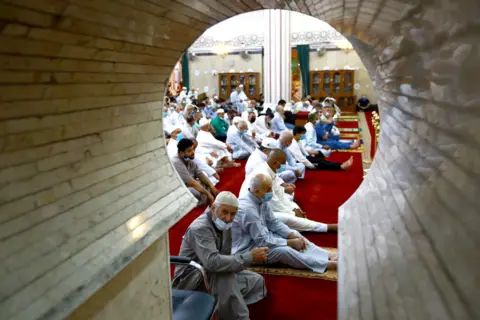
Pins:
x,y
349,120
350,135
330,275
349,129
359,150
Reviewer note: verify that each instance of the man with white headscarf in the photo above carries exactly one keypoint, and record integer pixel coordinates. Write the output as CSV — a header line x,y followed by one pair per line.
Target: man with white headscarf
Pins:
x,y
256,226
207,144
282,205
237,138
237,97
208,241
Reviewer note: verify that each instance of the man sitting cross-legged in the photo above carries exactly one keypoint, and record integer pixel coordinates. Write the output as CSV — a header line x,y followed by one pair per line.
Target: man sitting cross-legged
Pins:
x,y
208,241
243,146
194,178
281,204
255,226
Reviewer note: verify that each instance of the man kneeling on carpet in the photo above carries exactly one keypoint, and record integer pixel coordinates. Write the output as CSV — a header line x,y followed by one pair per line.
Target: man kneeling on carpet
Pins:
x,y
281,205
255,226
208,241
194,178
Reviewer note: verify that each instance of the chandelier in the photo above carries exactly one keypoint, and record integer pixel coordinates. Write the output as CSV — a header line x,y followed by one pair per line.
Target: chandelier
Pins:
x,y
222,50
344,45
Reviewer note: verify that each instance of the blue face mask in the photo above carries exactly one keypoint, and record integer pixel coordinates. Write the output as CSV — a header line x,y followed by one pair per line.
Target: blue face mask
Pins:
x,y
196,125
268,196
209,107
249,110
222,225
180,136
187,158
317,122
172,108
165,114
302,137
281,169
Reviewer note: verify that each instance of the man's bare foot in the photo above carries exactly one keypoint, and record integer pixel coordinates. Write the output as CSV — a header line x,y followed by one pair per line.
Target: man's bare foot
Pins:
x,y
347,164
355,144
219,170
332,227
367,161
333,256
332,265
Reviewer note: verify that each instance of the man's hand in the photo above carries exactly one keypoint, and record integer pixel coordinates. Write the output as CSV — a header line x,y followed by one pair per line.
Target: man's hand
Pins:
x,y
259,255
216,176
214,192
209,162
214,154
294,235
325,147
299,213
229,148
270,135
289,188
298,244
298,173
210,199
253,133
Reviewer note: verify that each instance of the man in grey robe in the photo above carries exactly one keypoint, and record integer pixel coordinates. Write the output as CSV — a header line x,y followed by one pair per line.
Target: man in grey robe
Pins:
x,y
194,178
256,226
208,241
243,146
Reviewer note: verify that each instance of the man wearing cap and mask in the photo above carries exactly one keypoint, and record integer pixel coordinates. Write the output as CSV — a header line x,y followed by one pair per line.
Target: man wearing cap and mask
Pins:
x,y
282,205
196,181
242,145
256,226
208,241
237,97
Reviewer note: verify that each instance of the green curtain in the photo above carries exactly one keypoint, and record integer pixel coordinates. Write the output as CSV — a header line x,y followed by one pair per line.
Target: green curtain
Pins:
x,y
185,76
304,60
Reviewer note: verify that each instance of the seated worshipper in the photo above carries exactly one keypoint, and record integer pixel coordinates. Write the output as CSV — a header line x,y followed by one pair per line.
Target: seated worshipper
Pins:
x,y
208,241
252,117
282,206
242,145
205,164
278,122
220,125
255,226
196,181
313,159
208,145
237,97
183,96
248,111
176,134
231,113
310,142
324,138
211,110
363,103
263,125
190,130
327,118
292,170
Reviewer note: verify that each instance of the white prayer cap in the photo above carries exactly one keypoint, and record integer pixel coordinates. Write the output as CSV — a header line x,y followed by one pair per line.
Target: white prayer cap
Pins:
x,y
240,86
236,120
227,198
203,121
215,97
220,110
172,128
184,88
270,143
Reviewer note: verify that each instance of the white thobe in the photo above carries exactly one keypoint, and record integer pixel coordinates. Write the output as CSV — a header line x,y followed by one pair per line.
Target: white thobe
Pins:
x,y
300,154
261,128
208,144
242,145
193,95
207,170
311,141
237,98
256,159
189,131
282,207
183,94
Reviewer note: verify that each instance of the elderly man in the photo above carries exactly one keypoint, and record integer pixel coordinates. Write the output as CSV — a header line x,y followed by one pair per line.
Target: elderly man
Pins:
x,y
313,159
256,226
206,165
281,204
292,170
208,145
278,122
220,125
183,96
263,125
243,146
196,181
333,142
311,144
208,241
237,97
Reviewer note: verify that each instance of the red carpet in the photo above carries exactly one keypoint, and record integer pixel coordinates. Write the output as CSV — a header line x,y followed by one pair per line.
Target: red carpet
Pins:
x,y
319,194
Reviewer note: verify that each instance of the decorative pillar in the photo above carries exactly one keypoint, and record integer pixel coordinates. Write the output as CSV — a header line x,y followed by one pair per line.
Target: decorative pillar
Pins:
x,y
277,64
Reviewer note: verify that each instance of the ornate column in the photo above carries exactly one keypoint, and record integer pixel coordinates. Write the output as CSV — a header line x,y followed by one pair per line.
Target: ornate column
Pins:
x,y
277,59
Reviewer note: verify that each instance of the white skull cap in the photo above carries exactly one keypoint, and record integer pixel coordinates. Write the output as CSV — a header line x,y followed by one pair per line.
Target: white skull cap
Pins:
x,y
227,198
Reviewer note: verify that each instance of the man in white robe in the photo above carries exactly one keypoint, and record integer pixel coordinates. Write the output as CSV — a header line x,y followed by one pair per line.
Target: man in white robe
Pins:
x,y
281,204
192,94
207,144
206,167
263,126
256,226
237,97
183,95
311,137
176,135
292,170
237,138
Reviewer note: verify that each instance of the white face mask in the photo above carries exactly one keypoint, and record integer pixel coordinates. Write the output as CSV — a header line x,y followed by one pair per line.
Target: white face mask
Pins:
x,y
220,224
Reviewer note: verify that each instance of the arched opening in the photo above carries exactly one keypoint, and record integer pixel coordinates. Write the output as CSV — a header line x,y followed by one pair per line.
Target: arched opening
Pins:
x,y
82,154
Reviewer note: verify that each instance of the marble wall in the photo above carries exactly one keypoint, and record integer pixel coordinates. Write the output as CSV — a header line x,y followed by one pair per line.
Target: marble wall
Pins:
x,y
86,187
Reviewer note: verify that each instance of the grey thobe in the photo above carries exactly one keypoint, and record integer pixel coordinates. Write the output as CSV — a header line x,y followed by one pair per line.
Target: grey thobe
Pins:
x,y
243,146
256,226
188,170
233,286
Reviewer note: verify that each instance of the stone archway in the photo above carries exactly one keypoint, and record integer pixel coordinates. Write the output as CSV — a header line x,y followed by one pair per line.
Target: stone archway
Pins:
x,y
85,184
